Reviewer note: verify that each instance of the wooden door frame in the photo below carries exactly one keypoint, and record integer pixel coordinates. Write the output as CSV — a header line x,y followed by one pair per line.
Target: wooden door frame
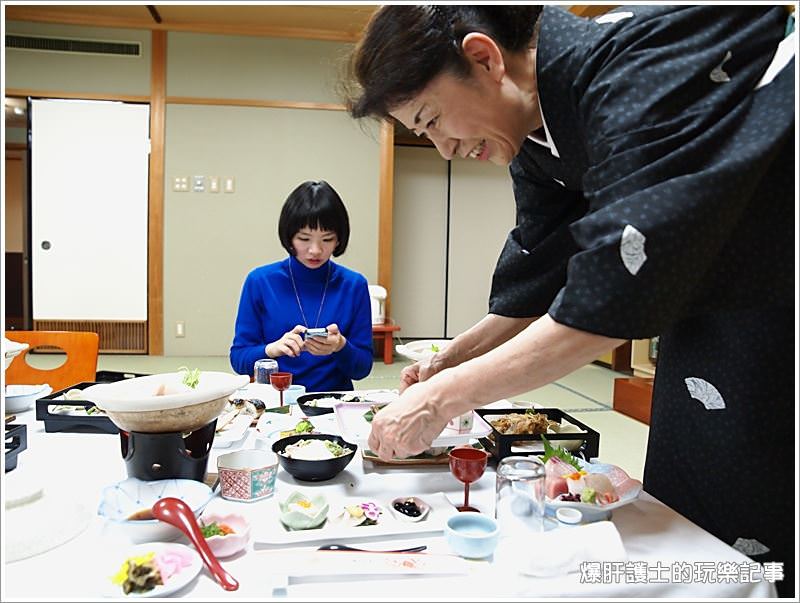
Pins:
x,y
19,151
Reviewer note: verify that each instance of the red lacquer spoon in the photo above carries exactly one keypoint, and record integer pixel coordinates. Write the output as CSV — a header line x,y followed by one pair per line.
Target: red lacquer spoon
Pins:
x,y
177,513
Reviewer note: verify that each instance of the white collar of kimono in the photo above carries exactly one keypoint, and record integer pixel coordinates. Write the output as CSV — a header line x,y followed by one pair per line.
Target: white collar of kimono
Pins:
x,y
547,141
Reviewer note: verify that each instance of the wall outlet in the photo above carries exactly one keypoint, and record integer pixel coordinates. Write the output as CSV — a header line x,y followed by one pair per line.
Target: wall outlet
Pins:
x,y
180,184
213,184
180,329
198,184
230,185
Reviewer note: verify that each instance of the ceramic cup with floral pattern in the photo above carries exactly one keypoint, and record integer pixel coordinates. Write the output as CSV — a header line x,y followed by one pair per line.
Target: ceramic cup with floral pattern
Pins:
x,y
247,475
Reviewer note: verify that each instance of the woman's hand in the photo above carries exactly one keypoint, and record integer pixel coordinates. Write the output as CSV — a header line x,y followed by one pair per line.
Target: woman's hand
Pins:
x,y
323,346
423,370
409,376
408,426
291,344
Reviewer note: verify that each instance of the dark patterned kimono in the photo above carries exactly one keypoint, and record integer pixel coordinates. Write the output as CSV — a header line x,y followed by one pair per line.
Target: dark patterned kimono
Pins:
x,y
663,204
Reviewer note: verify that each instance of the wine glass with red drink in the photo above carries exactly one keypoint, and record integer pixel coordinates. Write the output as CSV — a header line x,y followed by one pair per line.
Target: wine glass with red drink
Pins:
x,y
281,381
467,464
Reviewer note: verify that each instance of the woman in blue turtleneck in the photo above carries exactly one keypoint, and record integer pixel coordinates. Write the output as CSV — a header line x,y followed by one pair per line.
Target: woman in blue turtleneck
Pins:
x,y
307,290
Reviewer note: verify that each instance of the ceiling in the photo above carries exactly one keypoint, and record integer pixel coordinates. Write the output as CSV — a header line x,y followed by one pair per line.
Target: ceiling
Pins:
x,y
330,22
322,22
325,22
315,21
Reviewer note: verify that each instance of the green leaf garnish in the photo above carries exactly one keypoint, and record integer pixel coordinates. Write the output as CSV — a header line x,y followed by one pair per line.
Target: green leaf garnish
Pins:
x,y
334,448
559,453
304,426
191,377
434,347
373,410
211,529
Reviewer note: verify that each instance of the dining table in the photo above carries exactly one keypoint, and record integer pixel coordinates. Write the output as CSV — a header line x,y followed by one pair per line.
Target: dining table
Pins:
x,y
665,554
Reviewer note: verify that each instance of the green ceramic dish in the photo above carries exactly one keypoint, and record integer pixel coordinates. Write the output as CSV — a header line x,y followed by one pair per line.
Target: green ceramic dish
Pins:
x,y
312,516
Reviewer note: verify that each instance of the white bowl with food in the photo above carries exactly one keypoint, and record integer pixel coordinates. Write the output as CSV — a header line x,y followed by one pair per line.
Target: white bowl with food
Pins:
x,y
226,533
166,402
126,505
423,349
20,398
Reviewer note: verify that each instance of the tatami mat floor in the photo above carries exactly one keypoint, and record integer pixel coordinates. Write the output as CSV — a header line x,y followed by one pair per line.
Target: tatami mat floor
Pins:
x,y
585,394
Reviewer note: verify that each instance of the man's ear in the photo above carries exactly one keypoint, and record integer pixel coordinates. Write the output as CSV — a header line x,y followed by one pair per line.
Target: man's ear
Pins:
x,y
484,53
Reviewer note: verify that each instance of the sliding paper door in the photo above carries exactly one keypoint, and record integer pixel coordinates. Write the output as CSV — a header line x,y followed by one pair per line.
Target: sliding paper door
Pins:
x,y
89,183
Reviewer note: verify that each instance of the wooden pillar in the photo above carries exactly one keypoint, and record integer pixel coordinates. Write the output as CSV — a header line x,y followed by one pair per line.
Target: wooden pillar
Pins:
x,y
385,211
155,220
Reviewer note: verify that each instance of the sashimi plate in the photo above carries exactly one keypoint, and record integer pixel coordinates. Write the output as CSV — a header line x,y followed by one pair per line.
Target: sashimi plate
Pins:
x,y
628,490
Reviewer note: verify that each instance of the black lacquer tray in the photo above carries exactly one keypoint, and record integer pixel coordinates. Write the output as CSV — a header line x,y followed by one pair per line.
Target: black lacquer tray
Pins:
x,y
84,416
16,442
499,445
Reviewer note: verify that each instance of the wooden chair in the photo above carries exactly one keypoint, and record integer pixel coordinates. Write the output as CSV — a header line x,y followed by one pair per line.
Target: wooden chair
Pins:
x,y
81,348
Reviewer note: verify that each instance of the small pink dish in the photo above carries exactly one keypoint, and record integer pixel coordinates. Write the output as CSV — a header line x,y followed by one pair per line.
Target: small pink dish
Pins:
x,y
228,544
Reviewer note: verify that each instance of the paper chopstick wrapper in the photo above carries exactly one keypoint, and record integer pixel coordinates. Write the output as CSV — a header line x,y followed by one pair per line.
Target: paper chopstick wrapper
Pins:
x,y
325,563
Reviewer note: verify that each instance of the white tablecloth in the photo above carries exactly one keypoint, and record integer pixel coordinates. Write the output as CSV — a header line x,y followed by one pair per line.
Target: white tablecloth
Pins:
x,y
668,556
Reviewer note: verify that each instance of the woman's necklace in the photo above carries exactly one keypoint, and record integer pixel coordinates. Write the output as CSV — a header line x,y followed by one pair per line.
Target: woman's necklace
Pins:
x,y
297,296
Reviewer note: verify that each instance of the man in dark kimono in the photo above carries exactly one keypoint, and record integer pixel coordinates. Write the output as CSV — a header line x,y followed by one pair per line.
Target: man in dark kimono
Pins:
x,y
654,197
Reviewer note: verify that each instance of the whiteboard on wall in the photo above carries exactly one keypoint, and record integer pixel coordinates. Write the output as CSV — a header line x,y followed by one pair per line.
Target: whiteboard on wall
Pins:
x,y
89,183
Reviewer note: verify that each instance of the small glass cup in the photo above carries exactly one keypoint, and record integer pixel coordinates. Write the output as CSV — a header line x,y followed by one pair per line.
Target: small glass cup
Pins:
x,y
520,495
263,368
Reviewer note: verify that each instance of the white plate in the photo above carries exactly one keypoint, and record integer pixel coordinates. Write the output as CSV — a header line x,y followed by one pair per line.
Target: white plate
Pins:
x,y
422,349
175,582
234,432
627,488
270,530
355,428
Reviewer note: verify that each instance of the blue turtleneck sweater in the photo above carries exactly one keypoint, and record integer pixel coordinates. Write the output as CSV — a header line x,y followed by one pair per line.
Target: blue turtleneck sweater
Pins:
x,y
268,308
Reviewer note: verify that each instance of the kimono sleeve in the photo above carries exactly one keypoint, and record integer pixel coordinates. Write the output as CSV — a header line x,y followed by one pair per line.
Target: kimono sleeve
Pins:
x,y
677,153
532,265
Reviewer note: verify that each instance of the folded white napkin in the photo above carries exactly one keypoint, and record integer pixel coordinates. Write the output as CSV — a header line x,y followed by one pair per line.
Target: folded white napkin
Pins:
x,y
562,551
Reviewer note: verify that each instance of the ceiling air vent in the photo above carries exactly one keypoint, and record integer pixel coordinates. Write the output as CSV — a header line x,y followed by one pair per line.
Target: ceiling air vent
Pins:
x,y
68,45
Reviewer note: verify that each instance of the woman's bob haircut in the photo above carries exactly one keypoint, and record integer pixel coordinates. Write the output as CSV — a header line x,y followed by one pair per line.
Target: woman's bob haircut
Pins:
x,y
315,205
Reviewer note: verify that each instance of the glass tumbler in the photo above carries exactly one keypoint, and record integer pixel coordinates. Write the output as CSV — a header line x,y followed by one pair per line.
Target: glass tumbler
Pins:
x,y
519,495
263,368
